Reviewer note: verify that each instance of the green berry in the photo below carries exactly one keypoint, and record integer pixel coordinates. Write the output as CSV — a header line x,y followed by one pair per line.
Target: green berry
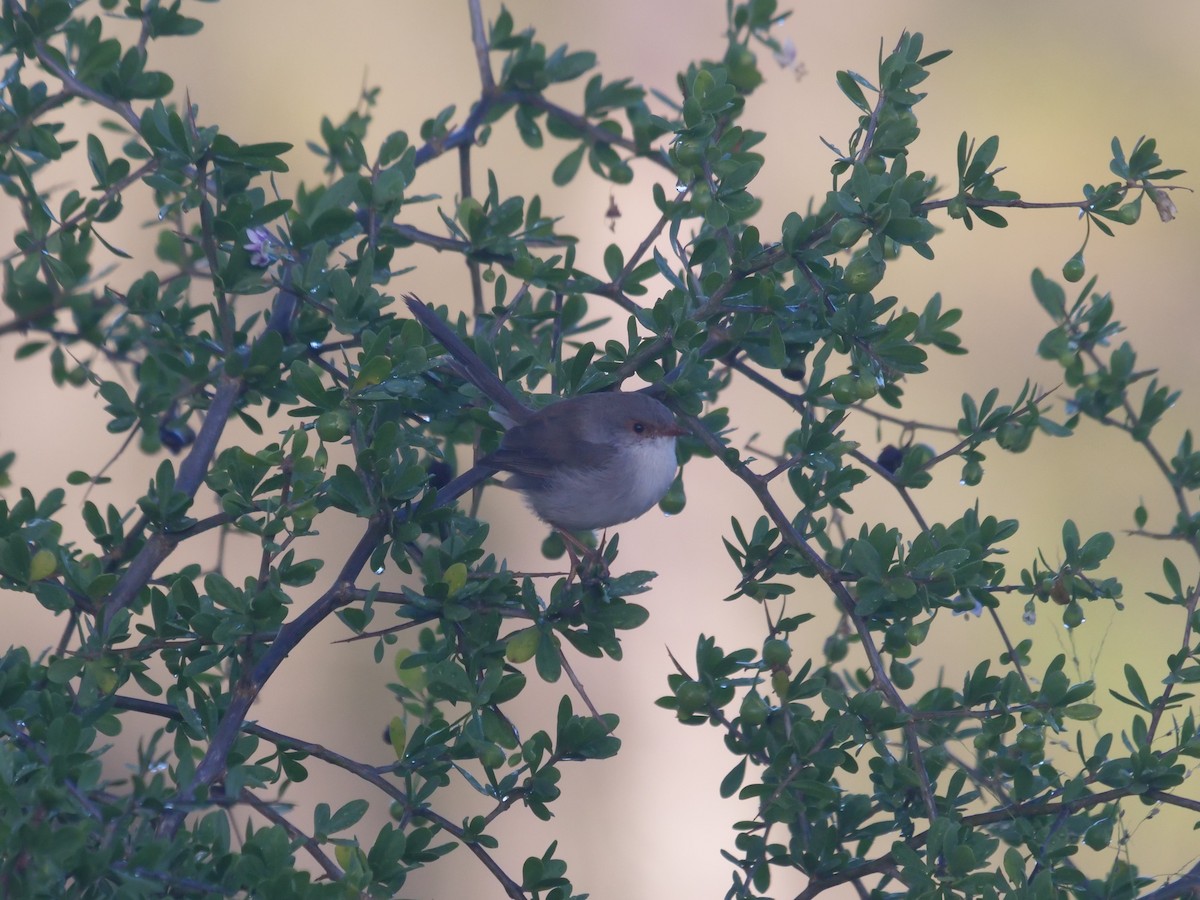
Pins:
x,y
692,697
1129,213
1074,269
333,425
1030,740
492,756
776,653
835,648
742,67
754,710
844,389
972,473
863,273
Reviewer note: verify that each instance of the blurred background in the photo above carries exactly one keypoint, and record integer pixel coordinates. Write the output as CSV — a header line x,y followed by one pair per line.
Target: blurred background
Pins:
x,y
1055,81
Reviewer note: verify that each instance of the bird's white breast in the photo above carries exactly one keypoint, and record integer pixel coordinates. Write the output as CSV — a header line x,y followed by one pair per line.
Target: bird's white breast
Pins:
x,y
585,499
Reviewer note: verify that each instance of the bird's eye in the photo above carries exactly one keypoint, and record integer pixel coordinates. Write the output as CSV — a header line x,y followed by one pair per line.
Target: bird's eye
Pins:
x,y
638,427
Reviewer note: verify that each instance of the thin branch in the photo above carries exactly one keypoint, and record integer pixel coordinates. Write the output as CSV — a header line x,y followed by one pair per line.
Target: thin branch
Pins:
x,y
887,862
990,203
76,87
453,245
590,130
980,436
1164,467
562,657
464,183
191,475
309,843
213,764
464,134
1187,885
642,248
361,770
1013,656
479,40
113,190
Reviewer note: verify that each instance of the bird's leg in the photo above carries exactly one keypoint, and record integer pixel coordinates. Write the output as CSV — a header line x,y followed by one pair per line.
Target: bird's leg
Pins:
x,y
580,554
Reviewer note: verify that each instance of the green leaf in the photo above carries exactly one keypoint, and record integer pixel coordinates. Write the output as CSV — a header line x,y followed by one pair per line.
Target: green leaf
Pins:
x,y
347,816
850,88
1174,582
1082,712
547,660
985,155
614,261
733,781
455,577
1136,687
97,159
1050,295
565,170
397,734
562,66
990,217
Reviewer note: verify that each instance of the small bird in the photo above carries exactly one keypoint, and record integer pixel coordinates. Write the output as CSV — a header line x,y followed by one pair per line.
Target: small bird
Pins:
x,y
586,462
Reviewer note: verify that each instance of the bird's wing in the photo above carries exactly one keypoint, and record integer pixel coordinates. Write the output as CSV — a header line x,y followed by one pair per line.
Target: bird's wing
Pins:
x,y
535,450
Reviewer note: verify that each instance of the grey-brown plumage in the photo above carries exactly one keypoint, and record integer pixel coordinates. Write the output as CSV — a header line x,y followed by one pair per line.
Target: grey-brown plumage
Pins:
x,y
586,462
591,461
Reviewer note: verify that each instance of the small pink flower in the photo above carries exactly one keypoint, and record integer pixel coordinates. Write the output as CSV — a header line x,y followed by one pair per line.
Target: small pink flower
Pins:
x,y
264,248
785,56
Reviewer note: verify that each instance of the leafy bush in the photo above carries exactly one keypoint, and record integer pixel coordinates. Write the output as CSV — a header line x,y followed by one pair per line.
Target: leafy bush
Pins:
x,y
281,313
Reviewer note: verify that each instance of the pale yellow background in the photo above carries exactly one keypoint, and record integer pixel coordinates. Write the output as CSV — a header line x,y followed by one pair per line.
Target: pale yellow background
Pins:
x,y
1056,81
